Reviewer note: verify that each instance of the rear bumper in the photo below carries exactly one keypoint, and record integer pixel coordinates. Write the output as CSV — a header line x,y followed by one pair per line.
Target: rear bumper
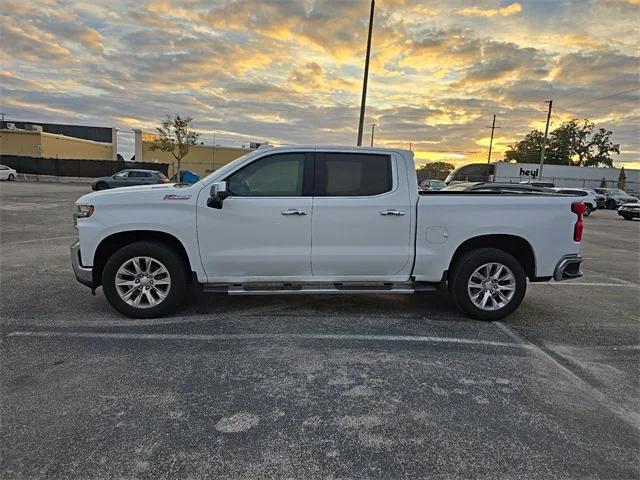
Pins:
x,y
568,267
83,274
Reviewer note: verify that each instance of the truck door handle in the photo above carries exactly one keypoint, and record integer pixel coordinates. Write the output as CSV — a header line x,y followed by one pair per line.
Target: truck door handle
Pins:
x,y
293,211
397,213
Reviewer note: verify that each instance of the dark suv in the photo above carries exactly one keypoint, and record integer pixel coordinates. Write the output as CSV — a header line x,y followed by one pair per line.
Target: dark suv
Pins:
x,y
128,178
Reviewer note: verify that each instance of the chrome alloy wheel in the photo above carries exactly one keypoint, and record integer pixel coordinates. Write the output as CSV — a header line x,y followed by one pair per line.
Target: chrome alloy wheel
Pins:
x,y
143,282
491,286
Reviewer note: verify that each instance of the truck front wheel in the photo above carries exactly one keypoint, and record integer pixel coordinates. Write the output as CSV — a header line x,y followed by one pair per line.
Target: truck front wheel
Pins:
x,y
145,280
487,283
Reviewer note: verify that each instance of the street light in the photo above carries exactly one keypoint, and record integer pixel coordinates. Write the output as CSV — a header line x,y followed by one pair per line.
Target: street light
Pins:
x,y
366,76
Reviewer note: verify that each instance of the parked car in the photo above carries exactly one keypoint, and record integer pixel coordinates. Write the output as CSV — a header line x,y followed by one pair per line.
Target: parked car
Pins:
x,y
7,173
616,197
588,198
318,219
629,211
432,184
601,199
128,178
495,187
538,183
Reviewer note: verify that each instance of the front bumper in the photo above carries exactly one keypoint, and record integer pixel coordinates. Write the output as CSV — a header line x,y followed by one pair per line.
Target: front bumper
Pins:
x,y
629,211
568,268
83,274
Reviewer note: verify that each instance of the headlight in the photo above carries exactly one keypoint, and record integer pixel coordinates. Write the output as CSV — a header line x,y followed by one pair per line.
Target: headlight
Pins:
x,y
83,211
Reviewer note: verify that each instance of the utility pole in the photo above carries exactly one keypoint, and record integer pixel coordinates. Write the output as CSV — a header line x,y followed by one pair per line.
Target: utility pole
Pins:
x,y
213,155
366,76
373,129
410,145
492,127
544,141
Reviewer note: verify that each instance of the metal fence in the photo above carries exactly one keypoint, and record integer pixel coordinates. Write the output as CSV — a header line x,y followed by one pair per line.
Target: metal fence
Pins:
x,y
63,167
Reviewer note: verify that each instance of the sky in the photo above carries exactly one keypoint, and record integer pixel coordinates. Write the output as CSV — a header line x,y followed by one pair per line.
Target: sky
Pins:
x,y
290,72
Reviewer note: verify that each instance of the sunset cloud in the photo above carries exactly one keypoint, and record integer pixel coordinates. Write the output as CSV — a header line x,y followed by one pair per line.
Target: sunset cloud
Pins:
x,y
512,9
290,71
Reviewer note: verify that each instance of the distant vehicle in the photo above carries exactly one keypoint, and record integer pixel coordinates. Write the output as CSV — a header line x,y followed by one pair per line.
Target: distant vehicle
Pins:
x,y
129,178
496,187
629,211
601,200
432,184
7,173
589,199
616,197
537,183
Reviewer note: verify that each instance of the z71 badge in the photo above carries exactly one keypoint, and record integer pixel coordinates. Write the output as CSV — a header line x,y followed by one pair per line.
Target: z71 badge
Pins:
x,y
172,196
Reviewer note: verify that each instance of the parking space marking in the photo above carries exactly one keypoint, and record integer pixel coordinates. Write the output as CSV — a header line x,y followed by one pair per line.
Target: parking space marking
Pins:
x,y
266,336
544,352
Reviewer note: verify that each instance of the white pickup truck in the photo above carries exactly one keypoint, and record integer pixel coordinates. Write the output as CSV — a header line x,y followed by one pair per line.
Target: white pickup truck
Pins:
x,y
292,220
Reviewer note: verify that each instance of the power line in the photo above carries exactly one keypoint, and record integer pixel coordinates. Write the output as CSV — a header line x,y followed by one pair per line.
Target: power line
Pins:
x,y
598,99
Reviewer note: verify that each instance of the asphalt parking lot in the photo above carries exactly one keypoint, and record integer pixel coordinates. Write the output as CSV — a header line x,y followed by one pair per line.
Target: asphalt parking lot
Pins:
x,y
313,387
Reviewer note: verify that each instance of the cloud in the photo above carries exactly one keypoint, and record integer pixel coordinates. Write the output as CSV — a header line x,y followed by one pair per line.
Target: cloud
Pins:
x,y
291,70
512,9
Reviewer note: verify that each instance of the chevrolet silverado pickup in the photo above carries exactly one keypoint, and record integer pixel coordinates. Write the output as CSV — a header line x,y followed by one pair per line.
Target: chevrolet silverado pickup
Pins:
x,y
295,220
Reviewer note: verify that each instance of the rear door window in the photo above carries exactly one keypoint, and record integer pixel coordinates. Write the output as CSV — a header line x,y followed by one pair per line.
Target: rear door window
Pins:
x,y
352,174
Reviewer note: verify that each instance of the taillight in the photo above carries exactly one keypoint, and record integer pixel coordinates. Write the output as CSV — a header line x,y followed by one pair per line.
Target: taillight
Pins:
x,y
578,208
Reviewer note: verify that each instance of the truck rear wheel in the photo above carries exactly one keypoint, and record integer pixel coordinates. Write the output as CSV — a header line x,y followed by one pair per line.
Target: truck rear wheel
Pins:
x,y
487,283
145,280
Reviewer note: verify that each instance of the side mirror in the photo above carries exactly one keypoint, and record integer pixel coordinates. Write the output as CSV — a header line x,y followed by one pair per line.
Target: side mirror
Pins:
x,y
217,194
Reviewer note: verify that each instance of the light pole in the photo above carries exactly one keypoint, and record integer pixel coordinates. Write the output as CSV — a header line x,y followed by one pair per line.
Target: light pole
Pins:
x,y
366,76
373,129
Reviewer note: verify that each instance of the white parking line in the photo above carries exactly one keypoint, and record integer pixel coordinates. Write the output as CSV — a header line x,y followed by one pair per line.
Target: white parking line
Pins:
x,y
629,416
265,336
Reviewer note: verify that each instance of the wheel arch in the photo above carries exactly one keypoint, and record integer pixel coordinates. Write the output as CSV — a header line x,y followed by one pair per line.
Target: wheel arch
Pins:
x,y
112,243
516,246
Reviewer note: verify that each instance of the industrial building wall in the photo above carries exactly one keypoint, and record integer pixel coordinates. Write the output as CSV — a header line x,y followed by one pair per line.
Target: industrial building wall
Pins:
x,y
40,144
21,143
201,159
59,146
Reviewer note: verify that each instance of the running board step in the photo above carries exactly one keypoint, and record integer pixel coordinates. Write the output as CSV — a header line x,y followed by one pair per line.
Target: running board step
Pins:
x,y
292,289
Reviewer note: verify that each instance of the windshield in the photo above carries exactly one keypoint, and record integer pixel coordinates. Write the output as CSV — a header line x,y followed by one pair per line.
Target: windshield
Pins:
x,y
617,191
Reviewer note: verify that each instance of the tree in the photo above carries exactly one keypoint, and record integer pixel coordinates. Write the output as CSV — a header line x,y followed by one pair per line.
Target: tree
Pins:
x,y
572,143
176,137
622,179
434,171
527,150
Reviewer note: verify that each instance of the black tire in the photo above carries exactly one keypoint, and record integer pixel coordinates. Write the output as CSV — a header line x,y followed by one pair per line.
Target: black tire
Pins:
x,y
102,186
627,217
611,205
157,251
11,177
587,209
464,268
